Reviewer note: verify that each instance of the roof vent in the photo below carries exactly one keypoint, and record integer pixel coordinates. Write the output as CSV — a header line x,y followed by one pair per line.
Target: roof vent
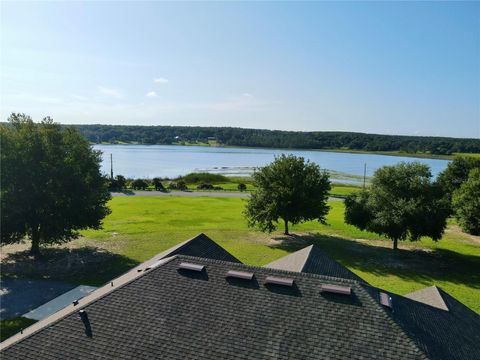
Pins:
x,y
336,289
240,275
279,281
192,267
385,300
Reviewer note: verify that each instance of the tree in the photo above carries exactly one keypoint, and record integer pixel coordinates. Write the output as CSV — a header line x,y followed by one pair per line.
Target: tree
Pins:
x,y
157,183
466,203
289,189
402,202
457,173
118,183
139,184
242,187
51,183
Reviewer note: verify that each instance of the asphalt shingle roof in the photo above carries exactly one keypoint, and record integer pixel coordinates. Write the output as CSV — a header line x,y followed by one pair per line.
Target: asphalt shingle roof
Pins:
x,y
452,334
177,314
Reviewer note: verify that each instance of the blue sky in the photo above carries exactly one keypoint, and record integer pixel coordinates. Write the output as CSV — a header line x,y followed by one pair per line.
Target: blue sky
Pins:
x,y
394,68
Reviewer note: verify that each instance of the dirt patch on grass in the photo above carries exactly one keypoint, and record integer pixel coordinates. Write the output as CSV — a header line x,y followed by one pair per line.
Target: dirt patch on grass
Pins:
x,y
79,261
462,236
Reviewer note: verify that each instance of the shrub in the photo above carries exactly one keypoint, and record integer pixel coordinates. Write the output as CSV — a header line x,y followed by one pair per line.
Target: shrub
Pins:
x,y
242,187
205,178
139,184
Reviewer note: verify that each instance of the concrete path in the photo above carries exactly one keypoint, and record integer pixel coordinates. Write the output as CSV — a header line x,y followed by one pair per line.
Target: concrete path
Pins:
x,y
184,193
59,302
18,296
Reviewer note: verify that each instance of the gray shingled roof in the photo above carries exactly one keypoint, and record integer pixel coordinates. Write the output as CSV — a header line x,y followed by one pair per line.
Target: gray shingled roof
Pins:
x,y
174,314
313,260
441,334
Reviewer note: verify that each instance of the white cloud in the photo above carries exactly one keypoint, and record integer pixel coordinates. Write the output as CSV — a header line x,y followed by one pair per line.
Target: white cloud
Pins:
x,y
151,94
111,92
247,95
160,80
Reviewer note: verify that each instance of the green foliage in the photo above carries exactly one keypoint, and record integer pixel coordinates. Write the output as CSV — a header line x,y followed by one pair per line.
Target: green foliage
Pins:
x,y
457,172
242,187
51,183
139,184
289,189
118,183
10,327
466,203
278,139
402,202
178,185
206,178
157,183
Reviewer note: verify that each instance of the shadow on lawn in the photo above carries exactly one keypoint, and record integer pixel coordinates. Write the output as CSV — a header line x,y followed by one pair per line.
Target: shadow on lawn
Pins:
x,y
87,266
423,266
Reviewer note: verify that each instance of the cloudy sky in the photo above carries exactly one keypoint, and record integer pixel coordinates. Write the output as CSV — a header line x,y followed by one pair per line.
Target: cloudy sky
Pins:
x,y
394,68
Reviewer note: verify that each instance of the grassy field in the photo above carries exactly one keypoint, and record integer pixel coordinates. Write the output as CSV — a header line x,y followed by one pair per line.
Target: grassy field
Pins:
x,y
140,227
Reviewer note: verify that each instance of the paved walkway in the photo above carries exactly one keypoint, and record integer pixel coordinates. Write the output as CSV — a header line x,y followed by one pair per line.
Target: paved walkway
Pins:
x,y
59,302
183,193
18,296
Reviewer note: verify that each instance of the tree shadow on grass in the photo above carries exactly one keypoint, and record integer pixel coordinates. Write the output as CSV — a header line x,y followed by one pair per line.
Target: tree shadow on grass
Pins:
x,y
87,266
422,266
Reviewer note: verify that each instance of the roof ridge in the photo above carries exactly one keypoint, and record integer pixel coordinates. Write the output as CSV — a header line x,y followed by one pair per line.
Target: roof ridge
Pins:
x,y
287,272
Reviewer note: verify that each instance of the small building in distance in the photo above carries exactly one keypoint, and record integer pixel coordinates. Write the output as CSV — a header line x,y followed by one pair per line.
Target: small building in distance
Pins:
x,y
197,301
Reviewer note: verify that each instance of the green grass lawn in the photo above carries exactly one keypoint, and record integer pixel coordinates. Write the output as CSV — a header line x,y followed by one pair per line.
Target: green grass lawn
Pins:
x,y
10,327
140,227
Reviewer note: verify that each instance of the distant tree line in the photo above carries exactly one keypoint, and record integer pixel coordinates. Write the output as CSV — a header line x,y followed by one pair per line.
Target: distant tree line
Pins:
x,y
167,135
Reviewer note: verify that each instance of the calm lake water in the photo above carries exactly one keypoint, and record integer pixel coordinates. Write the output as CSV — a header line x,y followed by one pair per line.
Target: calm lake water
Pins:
x,y
148,161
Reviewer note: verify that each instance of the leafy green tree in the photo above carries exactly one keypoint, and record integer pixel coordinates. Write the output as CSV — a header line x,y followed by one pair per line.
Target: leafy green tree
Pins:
x,y
457,173
157,183
118,183
290,189
466,203
51,183
242,187
402,202
139,184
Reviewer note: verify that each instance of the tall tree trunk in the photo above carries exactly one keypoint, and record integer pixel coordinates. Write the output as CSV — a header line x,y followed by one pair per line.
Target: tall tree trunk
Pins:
x,y
286,227
395,244
35,249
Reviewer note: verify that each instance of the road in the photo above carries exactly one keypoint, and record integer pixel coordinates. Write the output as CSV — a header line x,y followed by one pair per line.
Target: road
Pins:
x,y
193,194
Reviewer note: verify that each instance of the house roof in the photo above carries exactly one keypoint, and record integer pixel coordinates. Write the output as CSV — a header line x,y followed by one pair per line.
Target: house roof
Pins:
x,y
313,260
158,310
182,314
441,334
430,296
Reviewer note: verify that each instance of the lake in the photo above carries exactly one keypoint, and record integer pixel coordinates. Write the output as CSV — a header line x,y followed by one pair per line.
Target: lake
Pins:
x,y
148,161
